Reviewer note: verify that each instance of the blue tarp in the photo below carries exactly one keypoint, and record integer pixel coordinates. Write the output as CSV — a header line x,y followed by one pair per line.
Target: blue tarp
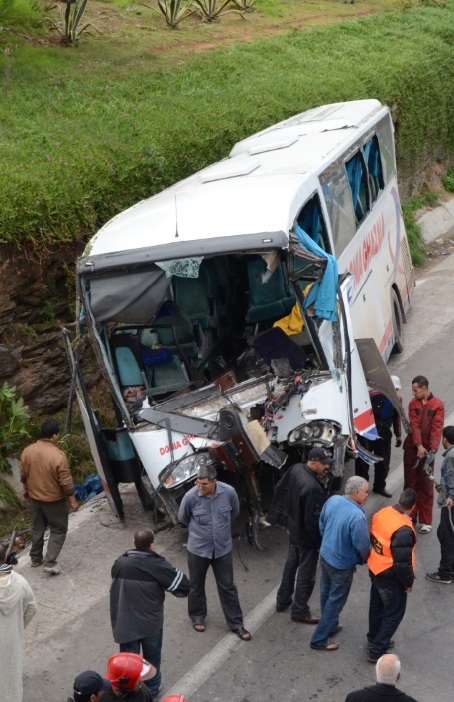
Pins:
x,y
89,488
322,295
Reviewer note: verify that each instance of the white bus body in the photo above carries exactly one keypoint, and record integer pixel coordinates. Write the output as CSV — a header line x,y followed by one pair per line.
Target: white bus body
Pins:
x,y
197,275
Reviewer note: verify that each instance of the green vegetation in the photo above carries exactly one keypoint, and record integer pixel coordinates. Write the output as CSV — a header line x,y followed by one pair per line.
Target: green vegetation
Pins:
x,y
113,122
414,235
448,181
13,420
71,24
14,416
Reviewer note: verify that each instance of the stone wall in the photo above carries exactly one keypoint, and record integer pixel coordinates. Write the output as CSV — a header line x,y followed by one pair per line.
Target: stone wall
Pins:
x,y
36,299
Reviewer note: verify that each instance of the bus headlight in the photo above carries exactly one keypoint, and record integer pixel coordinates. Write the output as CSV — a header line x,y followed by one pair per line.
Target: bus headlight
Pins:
x,y
318,432
186,469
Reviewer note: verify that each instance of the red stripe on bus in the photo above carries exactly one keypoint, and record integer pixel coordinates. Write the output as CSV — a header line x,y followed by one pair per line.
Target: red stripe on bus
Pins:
x,y
364,421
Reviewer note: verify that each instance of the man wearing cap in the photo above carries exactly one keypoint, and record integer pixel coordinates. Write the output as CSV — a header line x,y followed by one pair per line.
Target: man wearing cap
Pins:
x,y
305,496
89,687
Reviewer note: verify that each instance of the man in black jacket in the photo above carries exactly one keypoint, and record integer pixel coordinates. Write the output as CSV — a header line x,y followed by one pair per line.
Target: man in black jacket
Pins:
x,y
305,497
392,571
140,579
388,674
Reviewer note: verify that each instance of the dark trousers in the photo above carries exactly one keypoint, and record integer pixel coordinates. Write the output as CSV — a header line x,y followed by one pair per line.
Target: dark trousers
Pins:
x,y
446,538
151,651
416,478
379,447
55,516
388,601
228,594
302,564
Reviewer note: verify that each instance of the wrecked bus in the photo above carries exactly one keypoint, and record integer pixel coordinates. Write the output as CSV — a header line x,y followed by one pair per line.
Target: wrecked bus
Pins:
x,y
240,316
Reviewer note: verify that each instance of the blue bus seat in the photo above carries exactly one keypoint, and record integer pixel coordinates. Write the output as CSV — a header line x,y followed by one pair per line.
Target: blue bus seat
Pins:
x,y
268,300
127,355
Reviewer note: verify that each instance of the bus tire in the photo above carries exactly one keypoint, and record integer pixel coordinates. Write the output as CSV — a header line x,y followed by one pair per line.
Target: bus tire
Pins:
x,y
398,324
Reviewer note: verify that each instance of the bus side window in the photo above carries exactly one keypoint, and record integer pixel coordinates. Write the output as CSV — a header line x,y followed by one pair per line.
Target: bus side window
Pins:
x,y
310,219
336,192
359,187
374,166
384,131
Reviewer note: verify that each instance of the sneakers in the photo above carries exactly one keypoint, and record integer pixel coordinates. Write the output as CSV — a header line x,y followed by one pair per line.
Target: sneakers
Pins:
x,y
436,578
425,528
36,564
52,570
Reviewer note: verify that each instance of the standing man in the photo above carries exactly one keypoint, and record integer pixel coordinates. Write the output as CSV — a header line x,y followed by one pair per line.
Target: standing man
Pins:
x,y
48,485
426,415
140,579
17,609
386,417
387,671
207,510
306,495
392,571
445,531
345,544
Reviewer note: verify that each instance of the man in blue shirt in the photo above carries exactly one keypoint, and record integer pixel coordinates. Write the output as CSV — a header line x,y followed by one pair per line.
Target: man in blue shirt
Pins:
x,y
345,544
207,510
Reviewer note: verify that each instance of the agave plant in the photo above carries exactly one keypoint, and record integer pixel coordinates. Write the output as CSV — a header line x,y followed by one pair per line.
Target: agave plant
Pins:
x,y
173,11
245,5
70,25
211,10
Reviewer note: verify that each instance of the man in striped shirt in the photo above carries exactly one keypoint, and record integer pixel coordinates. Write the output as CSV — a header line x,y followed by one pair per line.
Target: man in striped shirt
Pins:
x,y
140,579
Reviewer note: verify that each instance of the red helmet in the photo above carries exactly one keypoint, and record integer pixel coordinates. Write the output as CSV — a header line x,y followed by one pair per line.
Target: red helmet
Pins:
x,y
124,670
175,698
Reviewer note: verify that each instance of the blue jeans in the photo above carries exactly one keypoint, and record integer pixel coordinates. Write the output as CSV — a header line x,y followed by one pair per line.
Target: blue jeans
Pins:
x,y
335,586
151,651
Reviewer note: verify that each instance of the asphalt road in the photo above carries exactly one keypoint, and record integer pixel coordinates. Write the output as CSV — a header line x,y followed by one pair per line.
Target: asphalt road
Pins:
x,y
71,631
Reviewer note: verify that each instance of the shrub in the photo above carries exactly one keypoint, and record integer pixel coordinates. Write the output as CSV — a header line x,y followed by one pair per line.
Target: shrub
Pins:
x,y
14,416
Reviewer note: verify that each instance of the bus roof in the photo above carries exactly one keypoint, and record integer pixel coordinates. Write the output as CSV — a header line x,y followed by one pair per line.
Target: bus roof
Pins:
x,y
256,192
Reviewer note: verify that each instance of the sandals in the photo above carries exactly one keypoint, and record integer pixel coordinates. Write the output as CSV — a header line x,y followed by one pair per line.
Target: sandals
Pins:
x,y
243,634
331,646
199,626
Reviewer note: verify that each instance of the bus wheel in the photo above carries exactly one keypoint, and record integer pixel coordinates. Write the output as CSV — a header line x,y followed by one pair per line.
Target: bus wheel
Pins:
x,y
398,324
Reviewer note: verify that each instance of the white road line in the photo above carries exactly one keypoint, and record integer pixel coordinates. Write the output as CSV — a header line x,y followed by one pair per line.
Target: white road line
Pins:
x,y
213,660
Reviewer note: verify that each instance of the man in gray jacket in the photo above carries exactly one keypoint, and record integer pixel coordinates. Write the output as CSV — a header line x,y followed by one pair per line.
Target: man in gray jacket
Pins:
x,y
140,579
445,531
207,510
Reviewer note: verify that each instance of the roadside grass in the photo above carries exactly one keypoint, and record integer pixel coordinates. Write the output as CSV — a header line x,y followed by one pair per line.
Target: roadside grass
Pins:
x,y
111,122
415,239
448,181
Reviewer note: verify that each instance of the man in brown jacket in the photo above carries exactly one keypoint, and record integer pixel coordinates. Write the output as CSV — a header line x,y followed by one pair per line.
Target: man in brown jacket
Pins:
x,y
48,484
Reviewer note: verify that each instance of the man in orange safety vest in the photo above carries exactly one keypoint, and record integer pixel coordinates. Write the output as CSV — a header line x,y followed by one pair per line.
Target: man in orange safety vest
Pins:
x,y
392,571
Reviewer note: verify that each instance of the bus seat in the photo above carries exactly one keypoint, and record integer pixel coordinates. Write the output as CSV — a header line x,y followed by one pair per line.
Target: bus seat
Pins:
x,y
168,377
192,295
268,300
127,355
176,320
